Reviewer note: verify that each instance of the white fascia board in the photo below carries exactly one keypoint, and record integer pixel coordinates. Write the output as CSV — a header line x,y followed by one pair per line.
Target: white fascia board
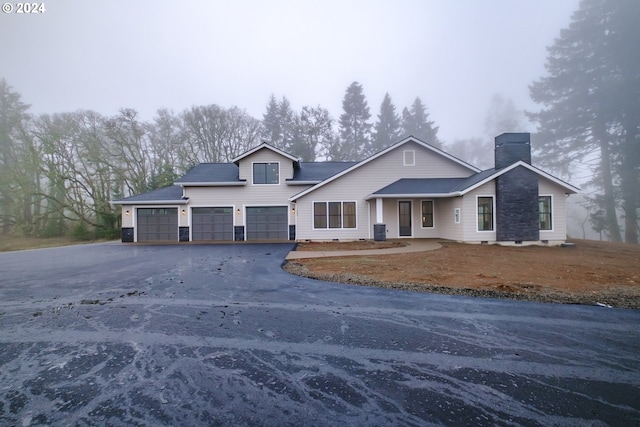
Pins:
x,y
413,196
302,182
570,188
382,153
269,147
212,184
150,202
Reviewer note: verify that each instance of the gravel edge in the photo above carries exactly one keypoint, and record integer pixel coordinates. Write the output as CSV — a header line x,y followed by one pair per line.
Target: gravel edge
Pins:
x,y
609,300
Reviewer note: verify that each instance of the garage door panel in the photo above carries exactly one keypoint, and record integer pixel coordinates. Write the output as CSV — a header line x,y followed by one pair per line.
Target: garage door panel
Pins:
x,y
157,224
267,223
212,223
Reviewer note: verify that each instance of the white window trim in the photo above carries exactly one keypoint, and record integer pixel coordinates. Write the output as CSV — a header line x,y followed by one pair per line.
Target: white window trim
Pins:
x,y
433,205
413,157
493,207
553,222
264,163
326,202
457,216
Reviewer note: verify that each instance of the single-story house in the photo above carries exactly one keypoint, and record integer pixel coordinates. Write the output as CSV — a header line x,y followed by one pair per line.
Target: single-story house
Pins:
x,y
408,190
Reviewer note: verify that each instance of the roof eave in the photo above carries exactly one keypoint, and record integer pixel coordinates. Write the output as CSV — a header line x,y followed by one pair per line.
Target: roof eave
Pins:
x,y
212,184
413,196
150,202
292,182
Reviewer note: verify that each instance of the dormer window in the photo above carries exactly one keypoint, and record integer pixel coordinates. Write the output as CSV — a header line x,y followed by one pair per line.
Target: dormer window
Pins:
x,y
266,173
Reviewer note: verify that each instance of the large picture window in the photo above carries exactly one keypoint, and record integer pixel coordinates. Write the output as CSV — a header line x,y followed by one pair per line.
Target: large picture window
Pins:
x,y
266,173
544,209
334,215
485,213
427,213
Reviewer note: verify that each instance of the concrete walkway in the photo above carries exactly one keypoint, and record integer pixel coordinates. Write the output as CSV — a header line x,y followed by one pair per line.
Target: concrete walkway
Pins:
x,y
415,245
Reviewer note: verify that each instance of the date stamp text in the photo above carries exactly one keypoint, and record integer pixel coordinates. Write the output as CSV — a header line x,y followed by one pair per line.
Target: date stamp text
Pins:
x,y
23,8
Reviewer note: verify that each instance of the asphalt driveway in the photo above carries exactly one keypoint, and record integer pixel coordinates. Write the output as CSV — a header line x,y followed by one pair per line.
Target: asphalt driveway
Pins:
x,y
113,334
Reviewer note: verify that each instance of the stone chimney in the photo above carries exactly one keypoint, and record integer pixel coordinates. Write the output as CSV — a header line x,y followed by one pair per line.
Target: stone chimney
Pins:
x,y
512,147
517,216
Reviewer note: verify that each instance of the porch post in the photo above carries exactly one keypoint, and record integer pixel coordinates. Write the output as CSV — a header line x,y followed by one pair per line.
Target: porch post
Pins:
x,y
379,219
379,228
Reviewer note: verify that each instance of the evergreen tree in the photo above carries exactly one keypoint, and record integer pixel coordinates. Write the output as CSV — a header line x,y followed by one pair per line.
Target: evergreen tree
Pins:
x,y
415,122
278,124
271,128
355,128
591,104
386,130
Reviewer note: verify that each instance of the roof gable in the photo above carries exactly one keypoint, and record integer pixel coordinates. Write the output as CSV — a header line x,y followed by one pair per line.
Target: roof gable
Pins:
x,y
266,146
454,187
382,153
478,181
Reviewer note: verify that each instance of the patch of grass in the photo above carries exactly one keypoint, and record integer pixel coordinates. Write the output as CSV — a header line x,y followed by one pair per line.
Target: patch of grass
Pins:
x,y
17,243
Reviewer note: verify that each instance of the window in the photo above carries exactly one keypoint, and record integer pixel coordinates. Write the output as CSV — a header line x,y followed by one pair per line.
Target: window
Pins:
x,y
266,173
334,215
409,157
544,209
485,213
349,214
427,213
319,215
456,215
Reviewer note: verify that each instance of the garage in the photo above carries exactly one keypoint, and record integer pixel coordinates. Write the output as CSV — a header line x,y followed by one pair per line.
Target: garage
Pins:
x,y
267,223
157,224
215,223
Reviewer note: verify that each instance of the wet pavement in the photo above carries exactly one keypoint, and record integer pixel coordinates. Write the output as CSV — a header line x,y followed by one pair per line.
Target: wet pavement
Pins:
x,y
113,334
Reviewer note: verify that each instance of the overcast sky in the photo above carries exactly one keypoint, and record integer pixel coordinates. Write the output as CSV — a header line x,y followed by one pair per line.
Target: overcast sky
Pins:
x,y
453,54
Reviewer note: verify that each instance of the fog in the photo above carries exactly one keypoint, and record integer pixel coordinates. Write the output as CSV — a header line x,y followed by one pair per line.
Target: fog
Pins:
x,y
454,55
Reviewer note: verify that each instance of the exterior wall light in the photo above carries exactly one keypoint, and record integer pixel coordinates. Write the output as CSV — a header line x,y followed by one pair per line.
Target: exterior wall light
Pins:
x,y
184,211
238,211
127,212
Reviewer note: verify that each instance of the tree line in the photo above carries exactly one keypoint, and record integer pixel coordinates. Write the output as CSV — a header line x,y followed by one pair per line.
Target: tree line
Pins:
x,y
58,172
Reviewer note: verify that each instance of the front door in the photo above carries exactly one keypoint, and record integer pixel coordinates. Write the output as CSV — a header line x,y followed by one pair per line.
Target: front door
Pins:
x,y
404,218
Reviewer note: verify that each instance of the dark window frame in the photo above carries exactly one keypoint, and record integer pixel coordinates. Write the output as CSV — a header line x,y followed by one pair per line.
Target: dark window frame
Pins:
x,y
545,215
266,173
428,216
485,216
334,215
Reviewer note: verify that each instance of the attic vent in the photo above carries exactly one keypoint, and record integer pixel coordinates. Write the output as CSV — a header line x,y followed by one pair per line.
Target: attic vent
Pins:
x,y
409,157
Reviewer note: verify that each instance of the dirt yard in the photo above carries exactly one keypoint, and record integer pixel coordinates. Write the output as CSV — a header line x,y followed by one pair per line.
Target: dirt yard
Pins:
x,y
592,272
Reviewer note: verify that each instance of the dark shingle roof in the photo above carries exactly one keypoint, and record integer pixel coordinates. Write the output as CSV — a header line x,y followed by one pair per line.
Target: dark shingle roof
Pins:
x,y
318,171
211,172
172,193
421,186
407,186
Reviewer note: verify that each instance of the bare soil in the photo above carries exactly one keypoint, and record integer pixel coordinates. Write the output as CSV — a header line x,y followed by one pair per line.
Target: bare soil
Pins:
x,y
592,272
